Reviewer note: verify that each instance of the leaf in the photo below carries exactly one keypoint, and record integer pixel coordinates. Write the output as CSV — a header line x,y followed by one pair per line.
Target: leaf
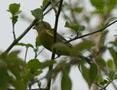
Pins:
x,y
85,73
83,46
3,79
75,26
14,19
78,9
111,75
110,64
34,64
93,72
66,83
99,4
12,68
47,63
103,37
14,8
37,13
100,62
26,45
45,2
33,69
104,82
114,55
111,5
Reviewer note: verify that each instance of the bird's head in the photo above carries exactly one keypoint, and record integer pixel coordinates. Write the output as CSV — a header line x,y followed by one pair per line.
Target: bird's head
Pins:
x,y
42,26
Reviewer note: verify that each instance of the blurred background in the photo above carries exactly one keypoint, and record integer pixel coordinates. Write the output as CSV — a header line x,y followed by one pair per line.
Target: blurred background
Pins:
x,y
74,11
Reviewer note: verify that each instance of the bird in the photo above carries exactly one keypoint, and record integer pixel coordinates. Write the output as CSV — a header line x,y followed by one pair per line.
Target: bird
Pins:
x,y
45,38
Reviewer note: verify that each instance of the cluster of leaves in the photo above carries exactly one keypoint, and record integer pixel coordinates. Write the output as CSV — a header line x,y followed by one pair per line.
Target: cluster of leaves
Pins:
x,y
14,9
100,67
18,74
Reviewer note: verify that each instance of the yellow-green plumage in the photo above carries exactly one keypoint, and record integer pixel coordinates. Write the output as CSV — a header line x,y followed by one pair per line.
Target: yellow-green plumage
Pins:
x,y
46,37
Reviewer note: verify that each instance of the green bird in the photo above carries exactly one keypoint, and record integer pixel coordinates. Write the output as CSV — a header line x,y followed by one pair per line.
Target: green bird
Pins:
x,y
46,38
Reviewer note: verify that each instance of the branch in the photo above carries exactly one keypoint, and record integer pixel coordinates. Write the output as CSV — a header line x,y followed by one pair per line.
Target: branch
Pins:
x,y
100,30
56,25
24,33
55,38
13,26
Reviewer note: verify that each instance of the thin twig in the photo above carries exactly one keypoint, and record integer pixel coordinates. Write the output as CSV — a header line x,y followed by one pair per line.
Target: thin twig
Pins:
x,y
20,37
50,8
13,26
100,30
40,51
26,54
24,33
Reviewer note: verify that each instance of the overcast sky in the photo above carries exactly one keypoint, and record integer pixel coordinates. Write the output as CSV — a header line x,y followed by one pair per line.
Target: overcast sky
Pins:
x,y
6,36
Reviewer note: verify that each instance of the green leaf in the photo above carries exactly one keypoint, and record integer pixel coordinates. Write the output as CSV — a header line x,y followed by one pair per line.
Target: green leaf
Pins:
x,y
47,63
99,4
75,26
26,45
33,69
14,8
93,72
111,5
78,9
114,55
34,64
85,73
11,74
100,62
104,82
3,79
103,38
37,13
45,2
110,64
83,46
66,83
14,19
111,75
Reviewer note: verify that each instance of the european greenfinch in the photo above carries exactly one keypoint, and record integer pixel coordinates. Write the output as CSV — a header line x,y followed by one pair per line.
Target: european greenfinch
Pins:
x,y
46,38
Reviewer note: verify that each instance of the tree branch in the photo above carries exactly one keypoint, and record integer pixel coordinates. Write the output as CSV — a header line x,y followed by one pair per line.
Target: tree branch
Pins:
x,y
24,33
100,30
55,38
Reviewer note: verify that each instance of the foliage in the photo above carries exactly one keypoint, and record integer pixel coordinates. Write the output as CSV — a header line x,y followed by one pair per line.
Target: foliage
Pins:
x,y
87,53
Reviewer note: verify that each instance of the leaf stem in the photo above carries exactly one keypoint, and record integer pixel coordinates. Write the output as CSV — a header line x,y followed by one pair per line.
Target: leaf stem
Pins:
x,y
13,26
26,53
